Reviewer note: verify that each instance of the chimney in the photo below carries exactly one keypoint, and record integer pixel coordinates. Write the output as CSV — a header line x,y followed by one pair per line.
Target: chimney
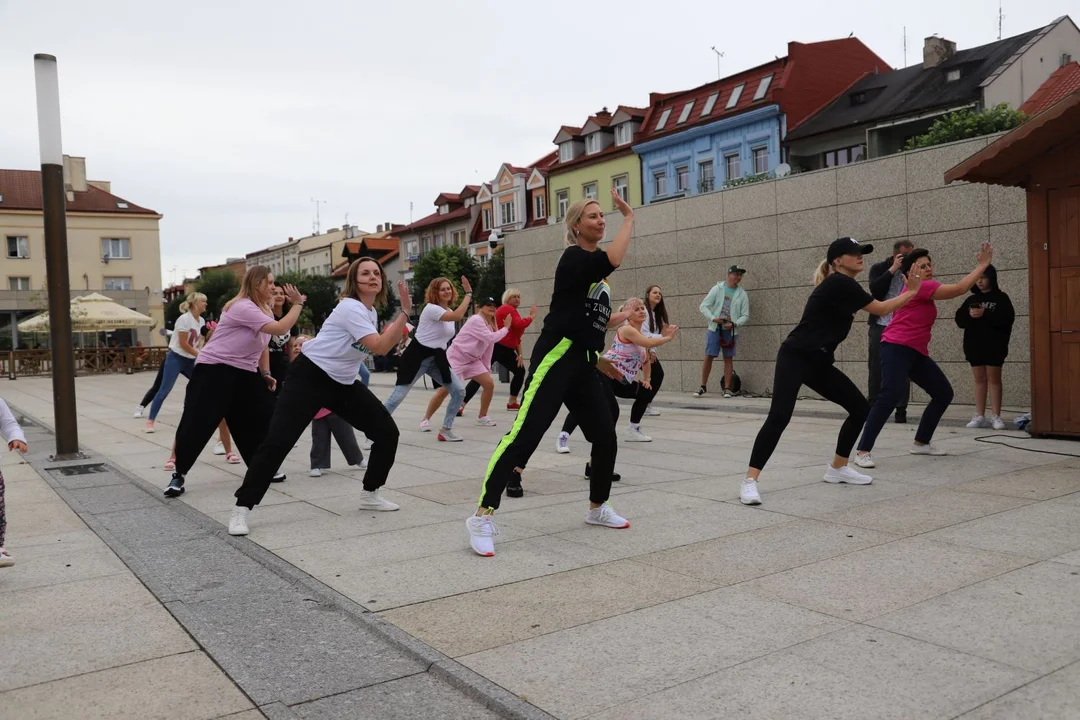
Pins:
x,y
388,227
378,228
936,51
74,175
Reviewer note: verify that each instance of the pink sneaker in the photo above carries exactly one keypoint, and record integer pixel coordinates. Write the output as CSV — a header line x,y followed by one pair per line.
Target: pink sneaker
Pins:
x,y
232,458
170,464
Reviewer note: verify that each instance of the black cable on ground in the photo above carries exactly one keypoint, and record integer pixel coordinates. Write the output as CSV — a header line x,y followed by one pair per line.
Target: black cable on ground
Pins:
x,y
986,439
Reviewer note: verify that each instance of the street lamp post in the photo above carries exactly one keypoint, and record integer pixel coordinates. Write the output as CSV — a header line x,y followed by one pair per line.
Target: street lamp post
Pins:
x,y
53,199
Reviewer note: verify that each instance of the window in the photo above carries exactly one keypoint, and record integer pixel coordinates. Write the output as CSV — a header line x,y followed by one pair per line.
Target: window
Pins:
x,y
436,240
412,249
18,283
685,112
663,119
732,166
761,160
443,209
858,98
622,186
705,171
588,191
508,213
487,218
623,133
566,151
562,201
660,183
682,178
709,104
763,87
952,75
735,95
118,283
115,248
458,238
592,143
122,205
539,209
18,246
843,156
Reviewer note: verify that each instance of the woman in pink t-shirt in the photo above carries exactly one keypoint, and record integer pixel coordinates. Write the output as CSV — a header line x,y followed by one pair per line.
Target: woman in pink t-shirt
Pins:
x,y
232,379
905,354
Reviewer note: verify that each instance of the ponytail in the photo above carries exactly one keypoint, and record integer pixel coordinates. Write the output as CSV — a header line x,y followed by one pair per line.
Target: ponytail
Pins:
x,y
192,298
184,307
823,271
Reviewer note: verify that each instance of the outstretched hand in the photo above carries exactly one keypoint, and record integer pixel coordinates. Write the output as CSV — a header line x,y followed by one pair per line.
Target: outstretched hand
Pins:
x,y
18,445
669,331
621,204
465,284
508,321
986,254
606,367
294,295
913,281
406,299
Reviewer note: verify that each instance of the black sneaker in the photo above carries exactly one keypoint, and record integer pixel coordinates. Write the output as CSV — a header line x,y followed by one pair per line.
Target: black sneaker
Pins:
x,y
280,477
176,486
615,477
901,417
700,391
515,490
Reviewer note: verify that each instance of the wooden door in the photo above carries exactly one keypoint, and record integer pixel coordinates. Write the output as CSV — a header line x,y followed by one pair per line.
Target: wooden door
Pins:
x,y
1064,247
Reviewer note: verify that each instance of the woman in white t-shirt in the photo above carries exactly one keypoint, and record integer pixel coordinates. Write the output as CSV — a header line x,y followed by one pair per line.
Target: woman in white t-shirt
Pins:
x,y
427,353
324,375
180,360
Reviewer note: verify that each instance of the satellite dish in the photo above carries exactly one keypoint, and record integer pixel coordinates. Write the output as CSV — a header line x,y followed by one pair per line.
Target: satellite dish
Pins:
x,y
783,170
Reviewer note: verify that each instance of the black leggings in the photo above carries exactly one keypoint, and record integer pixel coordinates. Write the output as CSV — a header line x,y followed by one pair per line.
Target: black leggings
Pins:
x,y
560,373
508,359
612,389
813,368
217,392
149,396
307,390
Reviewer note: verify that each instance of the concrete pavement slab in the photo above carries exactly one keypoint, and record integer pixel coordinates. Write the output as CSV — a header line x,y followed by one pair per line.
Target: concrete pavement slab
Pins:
x,y
922,512
820,499
417,697
1052,696
98,500
43,566
1039,531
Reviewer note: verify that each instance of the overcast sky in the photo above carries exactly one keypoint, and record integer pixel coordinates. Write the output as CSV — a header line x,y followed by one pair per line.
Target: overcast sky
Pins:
x,y
229,116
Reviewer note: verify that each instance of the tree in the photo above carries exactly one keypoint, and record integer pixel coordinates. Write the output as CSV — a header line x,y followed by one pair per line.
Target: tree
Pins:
x,y
493,277
965,124
448,261
386,314
322,295
219,287
172,311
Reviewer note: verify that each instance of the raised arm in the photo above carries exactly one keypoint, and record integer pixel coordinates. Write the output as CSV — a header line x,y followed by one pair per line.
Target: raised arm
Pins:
x,y
638,338
387,340
463,306
884,307
285,324
617,319
616,251
954,290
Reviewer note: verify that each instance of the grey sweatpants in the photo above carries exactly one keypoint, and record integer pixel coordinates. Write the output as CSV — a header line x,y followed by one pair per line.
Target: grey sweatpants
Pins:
x,y
342,431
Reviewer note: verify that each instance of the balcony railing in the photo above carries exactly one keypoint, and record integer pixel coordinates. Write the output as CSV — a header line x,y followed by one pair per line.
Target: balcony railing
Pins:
x,y
706,184
88,361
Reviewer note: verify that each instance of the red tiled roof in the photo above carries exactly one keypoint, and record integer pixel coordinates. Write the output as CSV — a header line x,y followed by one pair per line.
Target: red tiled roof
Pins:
x,y
631,111
435,219
569,129
446,198
547,161
1063,82
21,190
609,153
341,269
469,191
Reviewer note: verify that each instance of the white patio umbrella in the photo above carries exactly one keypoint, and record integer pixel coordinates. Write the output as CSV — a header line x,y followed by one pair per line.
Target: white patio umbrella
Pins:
x,y
92,313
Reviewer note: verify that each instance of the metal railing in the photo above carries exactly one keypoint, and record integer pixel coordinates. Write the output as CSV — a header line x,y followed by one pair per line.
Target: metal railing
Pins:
x,y
88,361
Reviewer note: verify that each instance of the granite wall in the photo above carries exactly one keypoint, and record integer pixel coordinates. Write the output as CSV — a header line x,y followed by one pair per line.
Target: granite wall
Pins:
x,y
779,230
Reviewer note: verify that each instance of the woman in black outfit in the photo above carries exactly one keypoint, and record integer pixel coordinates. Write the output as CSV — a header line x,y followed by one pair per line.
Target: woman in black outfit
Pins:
x,y
563,370
806,358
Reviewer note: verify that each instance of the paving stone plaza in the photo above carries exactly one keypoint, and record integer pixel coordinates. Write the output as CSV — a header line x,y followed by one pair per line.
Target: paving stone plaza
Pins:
x,y
947,589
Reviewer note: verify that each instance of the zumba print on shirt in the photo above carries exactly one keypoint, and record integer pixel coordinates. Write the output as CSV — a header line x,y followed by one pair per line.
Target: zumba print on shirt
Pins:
x,y
598,305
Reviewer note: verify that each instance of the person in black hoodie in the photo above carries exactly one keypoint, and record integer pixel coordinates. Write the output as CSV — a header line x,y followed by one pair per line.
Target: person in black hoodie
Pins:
x,y
987,317
886,282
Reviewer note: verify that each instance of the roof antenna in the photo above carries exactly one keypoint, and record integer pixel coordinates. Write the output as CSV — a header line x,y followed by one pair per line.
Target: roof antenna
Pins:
x,y
1001,17
718,56
905,46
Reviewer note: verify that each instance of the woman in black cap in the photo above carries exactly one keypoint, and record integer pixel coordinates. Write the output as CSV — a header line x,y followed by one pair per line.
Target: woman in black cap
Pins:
x,y
806,358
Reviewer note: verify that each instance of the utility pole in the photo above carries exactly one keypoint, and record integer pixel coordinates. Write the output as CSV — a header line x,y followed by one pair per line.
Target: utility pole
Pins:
x,y
718,56
1001,18
53,211
905,46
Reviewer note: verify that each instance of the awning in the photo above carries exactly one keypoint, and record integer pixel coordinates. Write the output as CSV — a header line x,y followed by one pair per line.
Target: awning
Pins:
x,y
92,313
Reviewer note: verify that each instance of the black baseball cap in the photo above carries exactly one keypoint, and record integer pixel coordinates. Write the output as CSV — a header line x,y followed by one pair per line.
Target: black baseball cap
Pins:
x,y
847,246
487,301
736,269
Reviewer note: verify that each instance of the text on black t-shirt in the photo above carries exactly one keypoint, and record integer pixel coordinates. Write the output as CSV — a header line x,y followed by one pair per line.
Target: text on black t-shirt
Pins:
x,y
581,300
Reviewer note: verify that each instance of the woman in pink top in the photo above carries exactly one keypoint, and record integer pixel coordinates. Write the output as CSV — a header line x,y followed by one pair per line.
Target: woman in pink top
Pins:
x,y
905,353
470,358
232,379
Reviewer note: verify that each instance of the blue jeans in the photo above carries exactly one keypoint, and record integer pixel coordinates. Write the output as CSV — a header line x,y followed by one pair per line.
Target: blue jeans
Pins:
x,y
365,374
427,367
898,364
175,365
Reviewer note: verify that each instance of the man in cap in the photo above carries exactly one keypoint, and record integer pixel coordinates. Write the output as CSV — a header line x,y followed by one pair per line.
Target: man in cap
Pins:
x,y
726,308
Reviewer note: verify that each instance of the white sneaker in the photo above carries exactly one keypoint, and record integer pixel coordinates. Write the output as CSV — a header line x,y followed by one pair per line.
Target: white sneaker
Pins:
x,y
219,449
482,531
562,444
605,515
636,435
748,493
930,449
864,461
315,472
846,475
997,423
139,412
485,421
238,522
650,411
448,435
372,500
700,391
727,394
5,558
425,426
363,464
978,422
366,445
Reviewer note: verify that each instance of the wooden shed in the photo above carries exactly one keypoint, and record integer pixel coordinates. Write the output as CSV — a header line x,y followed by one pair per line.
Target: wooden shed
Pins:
x,y
1043,156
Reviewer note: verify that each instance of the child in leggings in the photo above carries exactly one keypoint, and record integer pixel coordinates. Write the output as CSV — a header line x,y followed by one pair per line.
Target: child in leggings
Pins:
x,y
324,375
9,428
563,371
806,358
629,352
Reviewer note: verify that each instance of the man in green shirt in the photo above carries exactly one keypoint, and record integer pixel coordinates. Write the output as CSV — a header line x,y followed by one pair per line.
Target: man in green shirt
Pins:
x,y
726,308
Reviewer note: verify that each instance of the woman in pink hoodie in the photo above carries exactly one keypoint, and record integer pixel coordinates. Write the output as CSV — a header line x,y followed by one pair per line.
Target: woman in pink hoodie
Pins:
x,y
470,358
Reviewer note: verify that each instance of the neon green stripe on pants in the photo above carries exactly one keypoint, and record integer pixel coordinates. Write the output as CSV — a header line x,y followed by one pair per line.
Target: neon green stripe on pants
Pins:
x,y
537,380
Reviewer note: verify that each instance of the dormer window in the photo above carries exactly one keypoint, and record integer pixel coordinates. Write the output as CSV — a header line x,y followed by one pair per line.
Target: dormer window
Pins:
x,y
735,95
709,104
663,119
685,112
952,75
623,133
444,209
763,87
858,98
592,143
566,151
469,202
